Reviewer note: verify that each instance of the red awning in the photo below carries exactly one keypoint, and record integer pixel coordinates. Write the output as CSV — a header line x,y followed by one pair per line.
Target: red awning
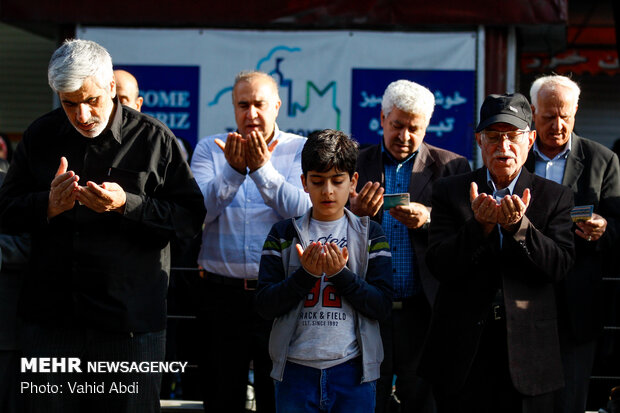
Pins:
x,y
307,13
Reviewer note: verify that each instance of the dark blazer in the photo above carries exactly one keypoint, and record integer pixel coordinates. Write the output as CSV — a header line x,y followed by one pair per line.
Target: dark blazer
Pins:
x,y
431,163
471,267
593,174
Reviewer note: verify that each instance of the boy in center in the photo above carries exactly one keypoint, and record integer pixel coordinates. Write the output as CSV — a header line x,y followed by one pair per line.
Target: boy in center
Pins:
x,y
326,279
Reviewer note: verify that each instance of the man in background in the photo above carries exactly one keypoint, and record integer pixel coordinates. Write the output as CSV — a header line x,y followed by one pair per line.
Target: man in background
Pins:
x,y
127,89
591,171
129,95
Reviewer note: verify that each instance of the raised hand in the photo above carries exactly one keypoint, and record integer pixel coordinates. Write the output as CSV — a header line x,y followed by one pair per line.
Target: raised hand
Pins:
x,y
318,258
335,258
512,209
109,196
234,151
485,208
312,258
368,201
63,190
257,153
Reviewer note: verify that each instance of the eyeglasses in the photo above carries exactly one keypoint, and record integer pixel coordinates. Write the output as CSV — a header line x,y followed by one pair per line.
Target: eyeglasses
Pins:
x,y
494,137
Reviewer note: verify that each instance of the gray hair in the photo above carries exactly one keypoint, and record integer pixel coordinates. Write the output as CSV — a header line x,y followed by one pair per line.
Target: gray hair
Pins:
x,y
553,82
75,61
249,75
409,97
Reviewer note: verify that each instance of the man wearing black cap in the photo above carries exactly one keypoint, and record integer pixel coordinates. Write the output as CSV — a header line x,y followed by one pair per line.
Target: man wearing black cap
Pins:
x,y
500,237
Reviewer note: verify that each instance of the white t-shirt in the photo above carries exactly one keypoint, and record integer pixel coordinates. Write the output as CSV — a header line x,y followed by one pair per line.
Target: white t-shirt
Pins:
x,y
325,333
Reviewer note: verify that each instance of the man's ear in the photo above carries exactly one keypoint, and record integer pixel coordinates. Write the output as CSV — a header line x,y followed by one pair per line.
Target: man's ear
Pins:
x,y
479,140
277,105
113,88
303,182
382,117
139,103
531,139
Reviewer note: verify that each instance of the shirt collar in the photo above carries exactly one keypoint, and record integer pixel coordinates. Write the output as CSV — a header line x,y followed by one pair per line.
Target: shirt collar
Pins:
x,y
117,121
276,132
390,158
510,187
562,154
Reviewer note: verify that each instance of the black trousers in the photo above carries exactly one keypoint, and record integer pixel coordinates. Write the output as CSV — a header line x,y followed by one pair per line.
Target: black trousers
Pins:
x,y
236,335
403,336
577,362
91,345
489,388
9,381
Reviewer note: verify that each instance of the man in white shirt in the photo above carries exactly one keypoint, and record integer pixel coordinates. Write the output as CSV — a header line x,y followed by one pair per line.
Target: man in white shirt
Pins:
x,y
250,179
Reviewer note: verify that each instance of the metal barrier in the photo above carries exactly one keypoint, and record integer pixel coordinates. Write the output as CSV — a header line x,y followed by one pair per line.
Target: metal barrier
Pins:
x,y
613,380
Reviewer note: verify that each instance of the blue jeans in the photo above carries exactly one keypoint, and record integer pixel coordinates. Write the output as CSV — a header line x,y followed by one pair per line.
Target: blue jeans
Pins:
x,y
336,389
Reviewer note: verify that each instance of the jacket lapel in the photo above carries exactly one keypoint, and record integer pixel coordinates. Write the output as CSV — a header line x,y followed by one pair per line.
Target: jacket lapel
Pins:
x,y
530,163
524,181
421,173
574,163
372,170
480,178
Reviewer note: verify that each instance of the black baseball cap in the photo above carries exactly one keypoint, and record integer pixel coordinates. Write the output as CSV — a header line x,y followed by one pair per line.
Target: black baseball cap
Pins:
x,y
513,109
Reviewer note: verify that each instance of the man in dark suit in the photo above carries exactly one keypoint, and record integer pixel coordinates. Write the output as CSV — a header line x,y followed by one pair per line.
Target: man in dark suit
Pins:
x,y
591,171
500,238
404,163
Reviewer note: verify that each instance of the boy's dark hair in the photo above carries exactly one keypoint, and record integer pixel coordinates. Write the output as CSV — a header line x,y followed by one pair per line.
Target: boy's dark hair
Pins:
x,y
327,149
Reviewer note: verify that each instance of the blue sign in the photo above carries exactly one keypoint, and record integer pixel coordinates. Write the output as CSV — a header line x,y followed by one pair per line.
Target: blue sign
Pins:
x,y
171,95
452,124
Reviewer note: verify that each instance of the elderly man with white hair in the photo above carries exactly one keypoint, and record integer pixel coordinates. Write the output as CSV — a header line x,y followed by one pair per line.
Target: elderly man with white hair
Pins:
x,y
592,172
404,163
101,189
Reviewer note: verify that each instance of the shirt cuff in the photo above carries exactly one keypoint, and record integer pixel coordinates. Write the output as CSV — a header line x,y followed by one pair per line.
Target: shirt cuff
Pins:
x,y
266,176
133,206
342,278
231,176
304,279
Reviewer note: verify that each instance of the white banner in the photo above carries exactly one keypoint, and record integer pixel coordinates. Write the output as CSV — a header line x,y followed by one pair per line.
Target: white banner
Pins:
x,y
318,73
